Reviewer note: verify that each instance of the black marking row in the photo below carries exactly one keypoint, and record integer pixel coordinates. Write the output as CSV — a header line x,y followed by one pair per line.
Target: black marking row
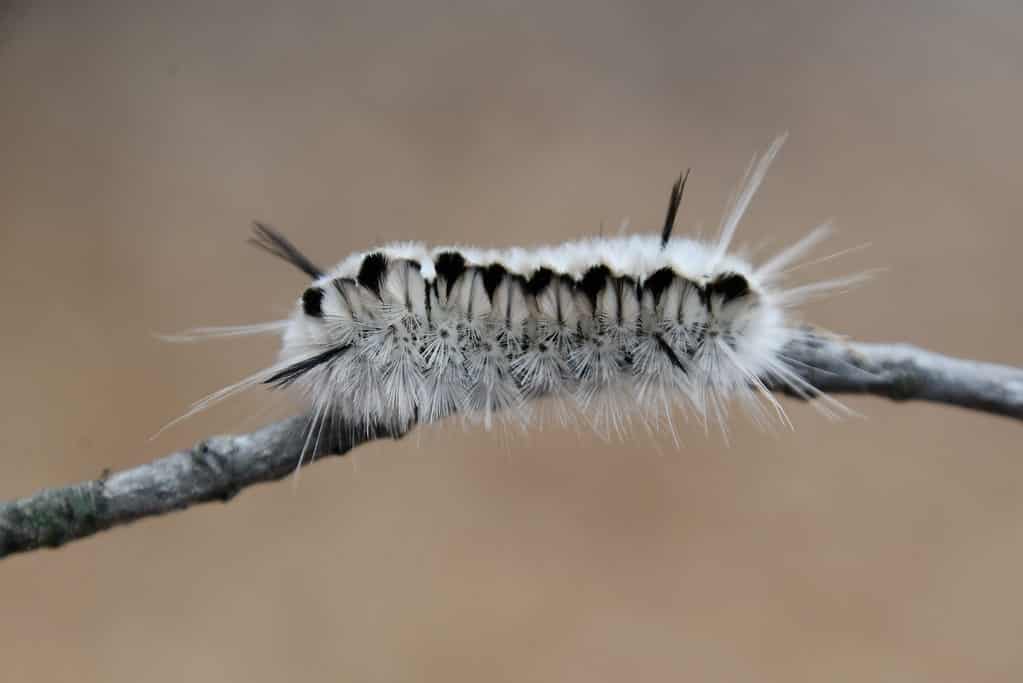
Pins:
x,y
451,265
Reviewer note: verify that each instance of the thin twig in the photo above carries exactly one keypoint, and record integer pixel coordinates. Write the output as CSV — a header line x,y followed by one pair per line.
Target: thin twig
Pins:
x,y
906,373
218,468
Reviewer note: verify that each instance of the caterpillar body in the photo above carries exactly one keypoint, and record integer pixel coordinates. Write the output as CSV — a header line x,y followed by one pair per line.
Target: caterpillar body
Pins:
x,y
644,324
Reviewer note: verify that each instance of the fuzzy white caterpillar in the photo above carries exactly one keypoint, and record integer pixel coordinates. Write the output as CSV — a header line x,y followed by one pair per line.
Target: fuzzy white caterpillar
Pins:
x,y
406,334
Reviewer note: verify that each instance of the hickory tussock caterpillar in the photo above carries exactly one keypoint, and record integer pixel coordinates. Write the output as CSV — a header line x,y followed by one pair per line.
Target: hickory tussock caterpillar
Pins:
x,y
405,334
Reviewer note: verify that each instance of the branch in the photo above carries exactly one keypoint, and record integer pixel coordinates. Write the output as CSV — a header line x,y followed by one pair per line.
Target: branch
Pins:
x,y
905,373
215,469
218,468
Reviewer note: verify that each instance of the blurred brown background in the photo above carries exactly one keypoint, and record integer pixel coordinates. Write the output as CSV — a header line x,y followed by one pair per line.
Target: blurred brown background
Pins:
x,y
140,139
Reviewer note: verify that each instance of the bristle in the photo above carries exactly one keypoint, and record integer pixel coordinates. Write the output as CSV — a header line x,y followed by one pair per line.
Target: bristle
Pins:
x,y
223,331
750,182
674,201
269,240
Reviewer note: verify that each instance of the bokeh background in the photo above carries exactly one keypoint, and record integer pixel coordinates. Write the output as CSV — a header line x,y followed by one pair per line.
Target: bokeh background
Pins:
x,y
138,141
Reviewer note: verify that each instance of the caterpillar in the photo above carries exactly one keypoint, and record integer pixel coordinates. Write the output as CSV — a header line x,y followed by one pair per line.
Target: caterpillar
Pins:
x,y
640,325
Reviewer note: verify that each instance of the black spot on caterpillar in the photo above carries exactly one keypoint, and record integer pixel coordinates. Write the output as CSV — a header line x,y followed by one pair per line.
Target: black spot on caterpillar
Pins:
x,y
312,302
449,265
492,277
729,285
539,281
594,280
372,269
657,282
